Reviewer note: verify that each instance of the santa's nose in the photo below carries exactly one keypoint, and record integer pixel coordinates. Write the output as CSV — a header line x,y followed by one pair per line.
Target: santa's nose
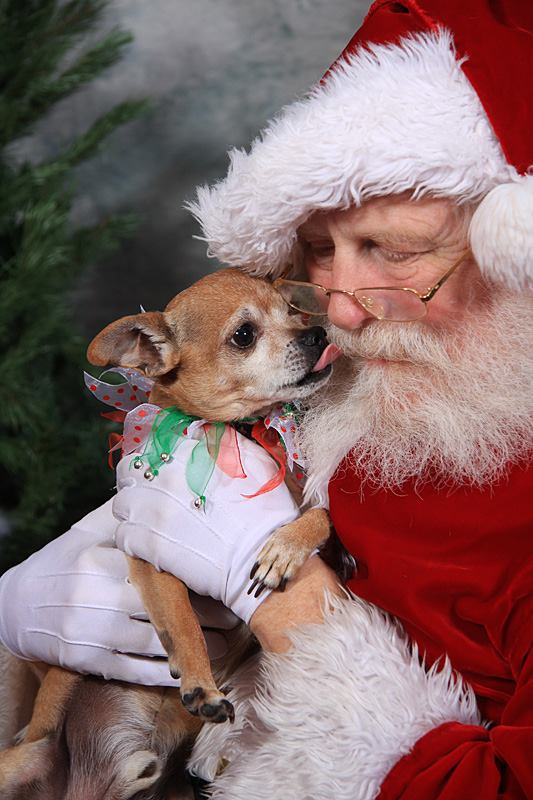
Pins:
x,y
345,312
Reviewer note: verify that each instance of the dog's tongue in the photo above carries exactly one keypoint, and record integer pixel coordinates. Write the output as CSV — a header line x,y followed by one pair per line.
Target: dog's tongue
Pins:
x,y
330,354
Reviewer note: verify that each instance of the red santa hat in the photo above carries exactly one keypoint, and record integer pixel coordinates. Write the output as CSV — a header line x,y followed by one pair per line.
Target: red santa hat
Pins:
x,y
432,97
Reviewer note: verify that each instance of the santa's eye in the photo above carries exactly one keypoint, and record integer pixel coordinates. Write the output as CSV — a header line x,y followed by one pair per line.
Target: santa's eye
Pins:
x,y
244,336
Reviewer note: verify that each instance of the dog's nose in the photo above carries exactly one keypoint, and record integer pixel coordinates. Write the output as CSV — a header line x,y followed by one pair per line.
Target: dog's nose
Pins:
x,y
313,337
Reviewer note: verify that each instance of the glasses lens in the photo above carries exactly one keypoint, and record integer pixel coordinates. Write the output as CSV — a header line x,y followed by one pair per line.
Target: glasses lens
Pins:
x,y
395,305
304,297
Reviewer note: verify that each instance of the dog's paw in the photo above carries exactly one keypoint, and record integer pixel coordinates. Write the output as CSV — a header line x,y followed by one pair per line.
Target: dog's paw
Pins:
x,y
208,704
278,562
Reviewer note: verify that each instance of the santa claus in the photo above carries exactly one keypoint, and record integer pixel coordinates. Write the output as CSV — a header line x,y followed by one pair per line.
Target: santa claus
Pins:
x,y
405,170
393,201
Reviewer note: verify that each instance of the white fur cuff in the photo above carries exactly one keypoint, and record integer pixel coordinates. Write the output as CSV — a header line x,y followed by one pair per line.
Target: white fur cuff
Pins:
x,y
333,716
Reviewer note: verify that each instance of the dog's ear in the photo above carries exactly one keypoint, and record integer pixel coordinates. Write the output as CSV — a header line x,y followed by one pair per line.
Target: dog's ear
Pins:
x,y
141,341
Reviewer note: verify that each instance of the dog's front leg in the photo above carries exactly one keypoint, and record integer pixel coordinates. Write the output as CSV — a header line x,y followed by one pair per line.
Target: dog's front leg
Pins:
x,y
288,548
167,603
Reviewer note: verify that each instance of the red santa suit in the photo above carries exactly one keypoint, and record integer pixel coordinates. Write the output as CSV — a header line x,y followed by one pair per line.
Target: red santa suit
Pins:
x,y
455,567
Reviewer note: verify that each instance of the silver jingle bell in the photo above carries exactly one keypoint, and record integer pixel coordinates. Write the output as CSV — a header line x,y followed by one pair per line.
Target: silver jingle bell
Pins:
x,y
138,463
165,457
149,475
198,503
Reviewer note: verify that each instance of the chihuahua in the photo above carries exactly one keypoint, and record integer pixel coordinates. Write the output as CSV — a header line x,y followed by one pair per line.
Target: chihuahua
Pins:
x,y
227,348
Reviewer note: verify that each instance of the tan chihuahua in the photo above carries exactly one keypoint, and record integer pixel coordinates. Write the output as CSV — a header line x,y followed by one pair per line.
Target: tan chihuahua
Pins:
x,y
227,348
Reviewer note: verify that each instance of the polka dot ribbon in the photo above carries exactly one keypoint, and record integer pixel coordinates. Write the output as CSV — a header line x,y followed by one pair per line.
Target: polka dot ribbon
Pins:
x,y
134,390
285,419
150,430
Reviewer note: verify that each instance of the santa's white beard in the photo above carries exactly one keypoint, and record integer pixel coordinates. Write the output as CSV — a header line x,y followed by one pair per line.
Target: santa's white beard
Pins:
x,y
453,406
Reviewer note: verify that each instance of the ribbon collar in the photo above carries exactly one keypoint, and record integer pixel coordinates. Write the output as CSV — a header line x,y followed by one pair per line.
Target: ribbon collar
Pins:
x,y
155,433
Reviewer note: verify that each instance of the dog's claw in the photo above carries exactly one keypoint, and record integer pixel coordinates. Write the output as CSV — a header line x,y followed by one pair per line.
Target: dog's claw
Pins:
x,y
218,712
254,570
278,562
260,589
210,705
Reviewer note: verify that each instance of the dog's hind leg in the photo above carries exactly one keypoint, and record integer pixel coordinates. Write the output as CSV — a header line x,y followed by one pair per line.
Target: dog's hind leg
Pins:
x,y
34,757
167,603
51,702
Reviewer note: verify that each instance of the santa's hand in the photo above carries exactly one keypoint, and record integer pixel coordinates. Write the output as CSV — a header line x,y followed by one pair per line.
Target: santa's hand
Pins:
x,y
71,604
210,546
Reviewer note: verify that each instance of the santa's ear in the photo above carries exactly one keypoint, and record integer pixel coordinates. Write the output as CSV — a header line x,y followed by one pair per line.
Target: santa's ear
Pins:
x,y
142,341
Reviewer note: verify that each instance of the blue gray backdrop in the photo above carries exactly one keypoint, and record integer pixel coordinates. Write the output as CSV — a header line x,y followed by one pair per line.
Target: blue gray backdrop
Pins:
x,y
216,71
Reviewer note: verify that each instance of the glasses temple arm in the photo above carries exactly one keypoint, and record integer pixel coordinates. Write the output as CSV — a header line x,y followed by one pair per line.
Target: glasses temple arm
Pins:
x,y
434,289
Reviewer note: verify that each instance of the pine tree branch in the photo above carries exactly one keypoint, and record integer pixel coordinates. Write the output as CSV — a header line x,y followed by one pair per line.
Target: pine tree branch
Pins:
x,y
44,93
91,63
24,180
52,440
87,144
31,90
95,241
36,35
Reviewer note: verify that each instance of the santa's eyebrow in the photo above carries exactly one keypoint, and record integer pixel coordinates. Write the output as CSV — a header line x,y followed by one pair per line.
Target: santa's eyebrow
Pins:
x,y
391,238
384,237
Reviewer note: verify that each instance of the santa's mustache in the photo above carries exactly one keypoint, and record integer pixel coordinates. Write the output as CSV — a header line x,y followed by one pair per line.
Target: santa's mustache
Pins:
x,y
406,342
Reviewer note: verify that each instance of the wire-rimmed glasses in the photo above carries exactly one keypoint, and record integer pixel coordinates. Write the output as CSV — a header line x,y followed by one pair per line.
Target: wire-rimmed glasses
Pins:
x,y
391,303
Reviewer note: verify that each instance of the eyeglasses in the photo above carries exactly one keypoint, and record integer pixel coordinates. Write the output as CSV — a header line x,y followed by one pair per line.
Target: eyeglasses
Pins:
x,y
391,303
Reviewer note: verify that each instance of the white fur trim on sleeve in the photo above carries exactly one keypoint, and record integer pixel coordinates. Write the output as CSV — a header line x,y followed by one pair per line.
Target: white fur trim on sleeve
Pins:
x,y
332,717
389,119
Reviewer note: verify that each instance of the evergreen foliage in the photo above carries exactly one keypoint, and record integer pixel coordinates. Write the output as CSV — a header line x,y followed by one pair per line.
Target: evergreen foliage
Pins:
x,y
52,461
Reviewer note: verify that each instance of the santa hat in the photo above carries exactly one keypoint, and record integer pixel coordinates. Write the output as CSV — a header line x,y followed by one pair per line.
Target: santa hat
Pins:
x,y
432,97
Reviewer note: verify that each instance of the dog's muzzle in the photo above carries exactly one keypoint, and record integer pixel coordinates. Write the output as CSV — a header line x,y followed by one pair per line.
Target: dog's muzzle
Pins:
x,y
313,342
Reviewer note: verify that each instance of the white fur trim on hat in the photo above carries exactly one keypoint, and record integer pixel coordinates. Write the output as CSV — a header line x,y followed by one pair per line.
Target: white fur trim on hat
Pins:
x,y
501,234
389,119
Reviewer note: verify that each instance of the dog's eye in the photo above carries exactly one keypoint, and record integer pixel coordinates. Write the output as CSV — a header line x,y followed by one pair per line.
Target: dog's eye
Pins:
x,y
245,335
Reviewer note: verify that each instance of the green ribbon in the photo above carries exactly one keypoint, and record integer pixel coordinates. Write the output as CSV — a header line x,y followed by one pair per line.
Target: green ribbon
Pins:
x,y
165,436
203,458
168,432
